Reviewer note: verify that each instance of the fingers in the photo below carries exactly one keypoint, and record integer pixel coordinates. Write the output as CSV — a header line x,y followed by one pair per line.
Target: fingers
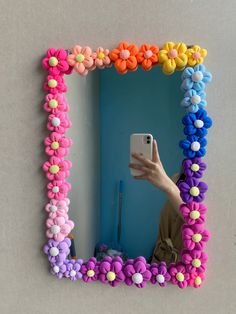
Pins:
x,y
155,153
144,160
139,167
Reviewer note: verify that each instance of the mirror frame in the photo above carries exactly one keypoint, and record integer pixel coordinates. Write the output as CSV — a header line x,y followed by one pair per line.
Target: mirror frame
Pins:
x,y
190,271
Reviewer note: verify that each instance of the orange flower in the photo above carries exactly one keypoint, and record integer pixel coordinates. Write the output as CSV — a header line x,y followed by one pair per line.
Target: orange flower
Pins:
x,y
124,57
147,56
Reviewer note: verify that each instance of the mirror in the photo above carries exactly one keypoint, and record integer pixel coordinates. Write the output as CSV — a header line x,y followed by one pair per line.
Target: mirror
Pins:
x,y
114,213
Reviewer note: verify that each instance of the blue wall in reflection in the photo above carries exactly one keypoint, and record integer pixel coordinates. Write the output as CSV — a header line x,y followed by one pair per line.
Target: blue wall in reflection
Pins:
x,y
138,102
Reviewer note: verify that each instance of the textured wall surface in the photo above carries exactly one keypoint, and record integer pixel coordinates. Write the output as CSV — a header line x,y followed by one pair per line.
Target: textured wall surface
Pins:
x,y
28,28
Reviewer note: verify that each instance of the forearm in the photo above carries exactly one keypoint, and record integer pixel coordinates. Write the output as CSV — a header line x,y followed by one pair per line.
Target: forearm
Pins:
x,y
173,194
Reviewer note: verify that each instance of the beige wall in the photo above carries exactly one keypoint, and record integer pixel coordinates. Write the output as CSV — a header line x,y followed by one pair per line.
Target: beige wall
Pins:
x,y
28,28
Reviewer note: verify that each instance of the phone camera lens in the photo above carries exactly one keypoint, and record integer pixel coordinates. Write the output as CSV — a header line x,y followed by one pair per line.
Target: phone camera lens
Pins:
x,y
148,142
148,137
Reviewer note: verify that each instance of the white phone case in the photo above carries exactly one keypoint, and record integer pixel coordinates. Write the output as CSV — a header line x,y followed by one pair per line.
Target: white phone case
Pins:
x,y
139,145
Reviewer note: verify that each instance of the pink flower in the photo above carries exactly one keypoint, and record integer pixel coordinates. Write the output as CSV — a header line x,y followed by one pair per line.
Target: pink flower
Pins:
x,y
136,272
58,122
55,84
58,208
81,59
90,270
194,260
179,275
195,237
57,145
58,228
101,58
111,271
58,189
55,61
196,279
57,168
55,103
193,212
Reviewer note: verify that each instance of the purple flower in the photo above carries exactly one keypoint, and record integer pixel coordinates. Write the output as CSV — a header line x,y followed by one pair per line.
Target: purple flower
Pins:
x,y
193,213
73,269
160,274
193,146
193,167
90,270
111,271
58,270
136,272
195,237
191,189
57,251
179,275
195,260
197,123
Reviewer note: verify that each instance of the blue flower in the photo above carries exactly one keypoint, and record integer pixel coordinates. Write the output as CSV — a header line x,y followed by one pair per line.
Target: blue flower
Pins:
x,y
195,78
194,146
193,100
197,123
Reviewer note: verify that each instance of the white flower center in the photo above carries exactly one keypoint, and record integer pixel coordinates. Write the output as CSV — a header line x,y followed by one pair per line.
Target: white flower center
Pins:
x,y
195,146
56,269
198,124
56,121
197,76
72,273
54,251
124,54
55,189
195,99
137,278
55,229
53,208
160,278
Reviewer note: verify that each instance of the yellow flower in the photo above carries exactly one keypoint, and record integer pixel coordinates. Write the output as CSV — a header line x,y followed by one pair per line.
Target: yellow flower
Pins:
x,y
173,56
196,55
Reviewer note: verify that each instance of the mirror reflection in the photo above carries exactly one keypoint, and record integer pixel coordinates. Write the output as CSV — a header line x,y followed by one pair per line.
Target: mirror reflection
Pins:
x,y
126,163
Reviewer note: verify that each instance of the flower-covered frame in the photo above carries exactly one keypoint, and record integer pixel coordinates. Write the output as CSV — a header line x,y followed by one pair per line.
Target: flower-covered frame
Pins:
x,y
128,57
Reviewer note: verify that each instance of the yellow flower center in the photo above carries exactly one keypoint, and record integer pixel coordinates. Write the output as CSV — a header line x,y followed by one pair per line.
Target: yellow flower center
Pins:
x,y
194,214
179,276
197,237
198,281
195,167
90,273
53,61
55,145
53,103
101,55
111,276
54,169
80,57
52,83
196,262
194,191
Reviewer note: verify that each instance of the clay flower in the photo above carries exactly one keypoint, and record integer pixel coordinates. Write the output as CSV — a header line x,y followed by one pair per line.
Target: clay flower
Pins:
x,y
160,274
194,167
195,237
73,269
81,59
58,228
191,189
58,270
136,272
58,189
55,103
193,212
195,55
193,146
101,58
173,56
179,275
196,279
90,270
147,56
195,78
197,123
57,251
55,84
193,100
58,122
111,271
55,61
57,145
125,57
57,208
194,260
57,168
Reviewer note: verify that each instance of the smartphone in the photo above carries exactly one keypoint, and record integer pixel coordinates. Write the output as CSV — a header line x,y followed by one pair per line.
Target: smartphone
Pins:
x,y
140,143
